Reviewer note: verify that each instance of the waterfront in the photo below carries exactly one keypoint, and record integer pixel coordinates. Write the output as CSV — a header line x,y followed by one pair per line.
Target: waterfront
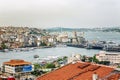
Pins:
x,y
61,51
57,51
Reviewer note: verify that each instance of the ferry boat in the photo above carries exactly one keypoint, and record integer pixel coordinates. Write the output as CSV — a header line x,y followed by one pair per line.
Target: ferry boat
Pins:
x,y
96,45
76,45
111,46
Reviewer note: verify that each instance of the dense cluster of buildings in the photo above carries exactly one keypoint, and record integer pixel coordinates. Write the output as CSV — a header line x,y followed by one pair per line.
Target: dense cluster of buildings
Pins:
x,y
16,37
74,69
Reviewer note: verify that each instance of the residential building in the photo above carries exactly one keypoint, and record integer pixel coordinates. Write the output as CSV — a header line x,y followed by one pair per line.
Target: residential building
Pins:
x,y
113,57
23,36
74,58
17,67
63,37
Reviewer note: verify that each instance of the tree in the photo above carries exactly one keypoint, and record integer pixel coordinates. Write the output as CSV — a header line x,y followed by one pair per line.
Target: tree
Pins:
x,y
37,73
65,58
90,59
95,59
3,46
37,66
83,58
104,62
60,59
43,44
50,65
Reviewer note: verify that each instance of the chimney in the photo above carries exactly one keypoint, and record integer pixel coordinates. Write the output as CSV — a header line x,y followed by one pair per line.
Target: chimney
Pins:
x,y
95,76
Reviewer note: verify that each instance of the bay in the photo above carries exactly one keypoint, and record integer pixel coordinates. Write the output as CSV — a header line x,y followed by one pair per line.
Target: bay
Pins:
x,y
57,51
61,51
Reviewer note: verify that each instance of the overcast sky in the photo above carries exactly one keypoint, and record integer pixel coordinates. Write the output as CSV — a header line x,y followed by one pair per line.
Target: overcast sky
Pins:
x,y
56,13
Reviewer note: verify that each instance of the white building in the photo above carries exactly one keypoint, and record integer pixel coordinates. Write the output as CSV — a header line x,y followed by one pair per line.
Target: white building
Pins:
x,y
62,37
50,40
113,57
16,67
74,58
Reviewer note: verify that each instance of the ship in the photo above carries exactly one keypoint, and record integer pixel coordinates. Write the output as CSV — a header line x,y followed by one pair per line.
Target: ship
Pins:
x,y
76,45
96,45
111,46
77,40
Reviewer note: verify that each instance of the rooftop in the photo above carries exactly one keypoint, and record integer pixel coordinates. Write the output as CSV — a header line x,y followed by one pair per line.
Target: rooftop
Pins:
x,y
114,77
16,62
79,71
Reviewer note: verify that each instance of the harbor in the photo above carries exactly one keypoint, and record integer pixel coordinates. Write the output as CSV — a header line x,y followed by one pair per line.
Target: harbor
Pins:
x,y
60,40
51,51
44,52
60,50
81,41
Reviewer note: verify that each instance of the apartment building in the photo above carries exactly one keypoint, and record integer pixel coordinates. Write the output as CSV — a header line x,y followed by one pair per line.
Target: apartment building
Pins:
x,y
113,57
17,67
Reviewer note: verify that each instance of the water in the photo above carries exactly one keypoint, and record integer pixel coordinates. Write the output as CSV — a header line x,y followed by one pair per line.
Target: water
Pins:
x,y
106,36
57,51
65,51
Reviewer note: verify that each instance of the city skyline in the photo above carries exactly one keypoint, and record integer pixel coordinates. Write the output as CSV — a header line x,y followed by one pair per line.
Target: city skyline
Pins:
x,y
60,13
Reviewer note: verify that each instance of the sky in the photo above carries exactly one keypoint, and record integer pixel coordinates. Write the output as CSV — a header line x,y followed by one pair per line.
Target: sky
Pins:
x,y
60,13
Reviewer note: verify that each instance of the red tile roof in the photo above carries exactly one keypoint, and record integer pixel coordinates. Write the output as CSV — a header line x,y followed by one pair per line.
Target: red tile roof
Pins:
x,y
113,77
77,71
16,62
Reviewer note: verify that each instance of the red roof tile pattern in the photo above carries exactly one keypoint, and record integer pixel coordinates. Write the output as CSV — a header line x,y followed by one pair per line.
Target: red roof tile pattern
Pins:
x,y
16,62
77,71
113,77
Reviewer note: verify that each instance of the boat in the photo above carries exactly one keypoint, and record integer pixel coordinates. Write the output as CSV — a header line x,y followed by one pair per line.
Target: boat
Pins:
x,y
76,45
36,56
115,49
6,50
60,45
111,46
96,45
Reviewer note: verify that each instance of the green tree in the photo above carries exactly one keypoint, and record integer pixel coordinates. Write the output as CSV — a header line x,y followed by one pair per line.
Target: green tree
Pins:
x,y
43,44
90,59
83,58
60,59
65,58
3,46
50,65
37,66
104,62
95,59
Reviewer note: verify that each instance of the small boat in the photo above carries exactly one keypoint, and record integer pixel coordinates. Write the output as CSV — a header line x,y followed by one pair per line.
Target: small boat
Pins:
x,y
6,50
36,56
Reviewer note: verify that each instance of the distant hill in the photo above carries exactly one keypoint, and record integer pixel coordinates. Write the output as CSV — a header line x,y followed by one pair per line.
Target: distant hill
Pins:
x,y
104,29
112,29
59,29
